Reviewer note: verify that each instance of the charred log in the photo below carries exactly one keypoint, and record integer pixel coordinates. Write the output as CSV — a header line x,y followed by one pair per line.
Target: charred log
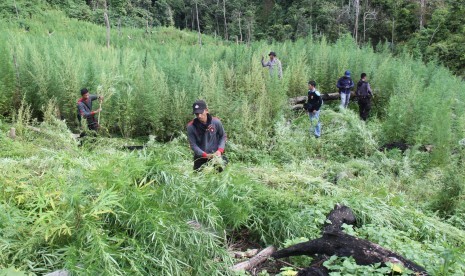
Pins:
x,y
335,242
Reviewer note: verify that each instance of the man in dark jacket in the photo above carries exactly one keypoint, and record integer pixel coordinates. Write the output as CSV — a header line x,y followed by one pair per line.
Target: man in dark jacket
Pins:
x,y
344,84
364,95
84,106
313,106
206,136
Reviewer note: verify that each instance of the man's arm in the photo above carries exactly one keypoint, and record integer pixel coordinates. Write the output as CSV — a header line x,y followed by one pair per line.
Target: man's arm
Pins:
x,y
192,142
84,112
352,84
267,64
319,102
369,89
222,137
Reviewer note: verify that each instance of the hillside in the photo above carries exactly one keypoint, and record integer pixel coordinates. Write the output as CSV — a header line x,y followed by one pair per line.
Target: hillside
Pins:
x,y
92,207
429,30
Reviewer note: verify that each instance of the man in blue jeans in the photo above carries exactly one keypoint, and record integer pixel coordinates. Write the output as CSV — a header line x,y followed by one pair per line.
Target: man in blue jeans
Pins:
x,y
344,84
313,106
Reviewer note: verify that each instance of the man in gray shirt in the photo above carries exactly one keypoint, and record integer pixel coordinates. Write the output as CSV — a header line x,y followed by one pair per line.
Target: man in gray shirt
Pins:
x,y
274,65
84,107
206,136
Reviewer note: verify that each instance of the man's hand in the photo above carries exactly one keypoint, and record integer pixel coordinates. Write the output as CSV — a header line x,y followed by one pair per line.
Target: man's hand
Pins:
x,y
212,155
98,110
100,98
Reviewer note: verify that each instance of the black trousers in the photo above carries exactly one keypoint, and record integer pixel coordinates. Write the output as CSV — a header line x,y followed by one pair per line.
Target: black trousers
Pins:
x,y
199,162
364,106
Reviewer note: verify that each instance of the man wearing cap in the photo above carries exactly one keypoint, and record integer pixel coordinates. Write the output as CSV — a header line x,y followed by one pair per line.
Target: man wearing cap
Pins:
x,y
84,106
274,65
312,106
344,84
206,136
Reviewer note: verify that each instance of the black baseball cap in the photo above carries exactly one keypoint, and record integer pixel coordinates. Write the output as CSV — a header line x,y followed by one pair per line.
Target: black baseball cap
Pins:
x,y
272,54
199,106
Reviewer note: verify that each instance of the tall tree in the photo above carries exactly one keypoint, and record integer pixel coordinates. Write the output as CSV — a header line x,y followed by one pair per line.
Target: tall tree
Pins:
x,y
107,22
225,22
198,21
422,13
357,14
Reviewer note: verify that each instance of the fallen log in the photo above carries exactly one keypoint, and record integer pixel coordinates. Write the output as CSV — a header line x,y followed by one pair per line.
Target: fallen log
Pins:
x,y
254,261
296,103
335,242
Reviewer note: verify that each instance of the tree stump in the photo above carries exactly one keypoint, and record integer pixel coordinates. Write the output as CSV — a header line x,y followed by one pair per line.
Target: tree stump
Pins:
x,y
12,133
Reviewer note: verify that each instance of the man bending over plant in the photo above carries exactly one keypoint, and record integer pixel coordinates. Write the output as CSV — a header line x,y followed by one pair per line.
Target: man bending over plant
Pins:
x,y
206,137
84,105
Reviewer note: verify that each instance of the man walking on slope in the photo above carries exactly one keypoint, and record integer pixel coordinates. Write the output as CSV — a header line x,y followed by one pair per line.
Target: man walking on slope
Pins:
x,y
313,106
344,84
274,65
364,95
206,136
84,106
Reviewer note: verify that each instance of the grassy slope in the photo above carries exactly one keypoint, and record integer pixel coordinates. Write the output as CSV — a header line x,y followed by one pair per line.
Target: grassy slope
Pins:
x,y
96,208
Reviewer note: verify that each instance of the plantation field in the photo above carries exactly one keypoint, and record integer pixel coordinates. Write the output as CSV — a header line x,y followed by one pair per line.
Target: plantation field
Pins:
x,y
91,207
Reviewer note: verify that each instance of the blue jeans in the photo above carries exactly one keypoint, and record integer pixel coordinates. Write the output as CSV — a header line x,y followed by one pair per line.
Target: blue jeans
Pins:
x,y
315,125
345,99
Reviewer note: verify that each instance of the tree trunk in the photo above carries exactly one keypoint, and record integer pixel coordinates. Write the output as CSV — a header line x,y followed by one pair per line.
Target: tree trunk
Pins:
x,y
422,13
335,242
107,23
192,21
240,27
12,133
392,32
216,18
225,23
16,8
198,23
357,13
249,33
369,15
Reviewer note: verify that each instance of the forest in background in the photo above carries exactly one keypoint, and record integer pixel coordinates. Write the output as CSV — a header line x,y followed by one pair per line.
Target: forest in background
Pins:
x,y
96,207
432,30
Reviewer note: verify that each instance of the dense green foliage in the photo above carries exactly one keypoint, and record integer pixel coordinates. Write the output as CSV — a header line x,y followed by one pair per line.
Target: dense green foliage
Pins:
x,y
429,29
95,208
